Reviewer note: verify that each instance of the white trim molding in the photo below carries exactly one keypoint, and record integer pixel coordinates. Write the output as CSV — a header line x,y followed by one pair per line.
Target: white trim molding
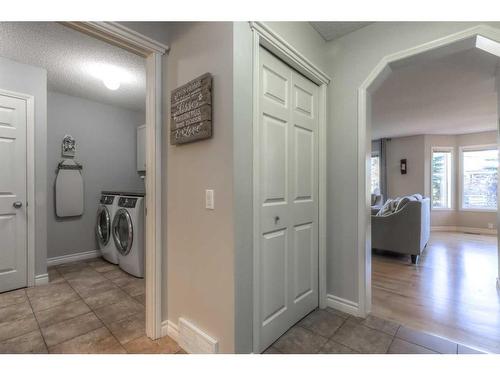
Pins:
x,y
285,51
41,279
189,337
170,329
123,37
266,37
453,228
342,304
474,37
54,261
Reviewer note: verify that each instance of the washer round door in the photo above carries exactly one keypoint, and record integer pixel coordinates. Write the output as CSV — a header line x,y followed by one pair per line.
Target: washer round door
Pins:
x,y
123,231
103,225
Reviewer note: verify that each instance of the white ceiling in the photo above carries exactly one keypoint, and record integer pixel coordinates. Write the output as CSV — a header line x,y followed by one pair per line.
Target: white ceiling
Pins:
x,y
333,30
450,95
67,54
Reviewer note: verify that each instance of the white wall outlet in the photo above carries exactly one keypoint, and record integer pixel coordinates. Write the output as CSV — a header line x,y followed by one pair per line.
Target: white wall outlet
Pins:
x,y
490,225
209,199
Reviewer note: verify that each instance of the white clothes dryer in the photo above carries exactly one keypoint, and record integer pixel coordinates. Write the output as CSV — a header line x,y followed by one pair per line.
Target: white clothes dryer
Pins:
x,y
128,233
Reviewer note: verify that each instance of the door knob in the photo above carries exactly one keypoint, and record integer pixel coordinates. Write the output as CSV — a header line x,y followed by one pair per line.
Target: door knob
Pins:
x,y
276,219
18,204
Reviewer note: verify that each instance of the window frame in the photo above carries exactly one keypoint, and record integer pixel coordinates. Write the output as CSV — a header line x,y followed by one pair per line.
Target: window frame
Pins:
x,y
451,150
376,154
463,149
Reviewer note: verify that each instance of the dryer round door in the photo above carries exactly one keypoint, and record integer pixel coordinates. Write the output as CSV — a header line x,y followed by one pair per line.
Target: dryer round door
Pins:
x,y
123,231
103,225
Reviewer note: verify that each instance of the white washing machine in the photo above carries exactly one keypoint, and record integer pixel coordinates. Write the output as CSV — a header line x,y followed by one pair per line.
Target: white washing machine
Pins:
x,y
104,222
128,233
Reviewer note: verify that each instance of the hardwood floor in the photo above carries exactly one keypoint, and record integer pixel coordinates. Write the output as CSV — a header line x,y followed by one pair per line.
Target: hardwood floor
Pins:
x,y
451,292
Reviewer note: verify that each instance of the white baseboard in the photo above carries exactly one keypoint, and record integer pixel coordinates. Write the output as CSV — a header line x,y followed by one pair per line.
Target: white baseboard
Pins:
x,y
452,228
73,257
342,304
41,279
170,329
192,339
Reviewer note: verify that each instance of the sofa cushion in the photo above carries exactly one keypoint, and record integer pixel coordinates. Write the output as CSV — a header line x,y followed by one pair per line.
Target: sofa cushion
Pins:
x,y
389,207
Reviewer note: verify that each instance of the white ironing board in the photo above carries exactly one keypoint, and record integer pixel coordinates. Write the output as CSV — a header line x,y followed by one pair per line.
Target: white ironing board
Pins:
x,y
69,189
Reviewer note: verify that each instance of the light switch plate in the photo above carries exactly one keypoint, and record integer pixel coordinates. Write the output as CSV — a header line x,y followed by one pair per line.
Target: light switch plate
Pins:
x,y
209,199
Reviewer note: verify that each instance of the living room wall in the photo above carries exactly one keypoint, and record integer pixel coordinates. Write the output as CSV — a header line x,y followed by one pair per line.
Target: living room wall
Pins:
x,y
418,152
412,149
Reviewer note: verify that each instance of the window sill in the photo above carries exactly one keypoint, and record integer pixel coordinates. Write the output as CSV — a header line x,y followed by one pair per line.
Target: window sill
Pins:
x,y
442,209
478,209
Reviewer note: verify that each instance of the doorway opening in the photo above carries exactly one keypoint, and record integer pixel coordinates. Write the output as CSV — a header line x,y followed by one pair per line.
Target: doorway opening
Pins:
x,y
429,254
96,88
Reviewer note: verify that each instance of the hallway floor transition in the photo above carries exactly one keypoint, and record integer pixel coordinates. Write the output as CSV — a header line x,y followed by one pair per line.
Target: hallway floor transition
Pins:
x,y
331,331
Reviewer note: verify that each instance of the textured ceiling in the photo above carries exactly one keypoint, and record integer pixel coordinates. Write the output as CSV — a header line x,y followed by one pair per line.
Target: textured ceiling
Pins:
x,y
67,54
333,30
450,95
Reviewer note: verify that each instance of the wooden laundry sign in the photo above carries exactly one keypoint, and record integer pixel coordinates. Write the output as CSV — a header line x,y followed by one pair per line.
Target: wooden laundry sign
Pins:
x,y
191,111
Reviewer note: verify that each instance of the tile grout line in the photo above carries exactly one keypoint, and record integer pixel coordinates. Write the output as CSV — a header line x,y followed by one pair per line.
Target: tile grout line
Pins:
x,y
81,298
91,309
37,323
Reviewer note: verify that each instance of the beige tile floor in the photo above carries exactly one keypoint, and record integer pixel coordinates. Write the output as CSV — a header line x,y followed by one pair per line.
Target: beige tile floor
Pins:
x,y
87,307
330,331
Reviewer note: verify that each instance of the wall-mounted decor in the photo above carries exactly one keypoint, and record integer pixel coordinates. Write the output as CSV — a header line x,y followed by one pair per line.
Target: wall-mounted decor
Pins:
x,y
191,111
403,167
68,146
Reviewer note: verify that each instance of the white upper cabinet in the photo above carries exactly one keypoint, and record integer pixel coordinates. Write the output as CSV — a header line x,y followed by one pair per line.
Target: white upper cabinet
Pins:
x,y
141,148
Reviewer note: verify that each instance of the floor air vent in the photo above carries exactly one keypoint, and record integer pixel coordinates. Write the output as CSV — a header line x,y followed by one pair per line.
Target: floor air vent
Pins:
x,y
194,340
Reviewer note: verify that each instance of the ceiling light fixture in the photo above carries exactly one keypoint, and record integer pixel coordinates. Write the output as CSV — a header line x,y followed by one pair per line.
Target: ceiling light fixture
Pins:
x,y
111,76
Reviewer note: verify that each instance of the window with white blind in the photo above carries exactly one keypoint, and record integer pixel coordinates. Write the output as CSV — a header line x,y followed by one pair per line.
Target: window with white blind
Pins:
x,y
479,178
441,178
375,174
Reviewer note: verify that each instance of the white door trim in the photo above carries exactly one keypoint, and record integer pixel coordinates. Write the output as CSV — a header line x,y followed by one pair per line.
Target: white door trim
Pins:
x,y
30,180
152,50
381,71
266,37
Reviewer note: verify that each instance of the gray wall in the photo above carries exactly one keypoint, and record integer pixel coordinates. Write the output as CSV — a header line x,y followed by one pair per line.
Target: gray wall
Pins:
x,y
413,150
352,58
32,80
106,147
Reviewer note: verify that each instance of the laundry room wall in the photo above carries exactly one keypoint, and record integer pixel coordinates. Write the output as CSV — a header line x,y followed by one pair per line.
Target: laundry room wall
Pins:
x,y
105,146
31,80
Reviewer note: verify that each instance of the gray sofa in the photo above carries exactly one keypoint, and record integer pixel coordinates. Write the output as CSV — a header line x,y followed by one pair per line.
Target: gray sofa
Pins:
x,y
405,231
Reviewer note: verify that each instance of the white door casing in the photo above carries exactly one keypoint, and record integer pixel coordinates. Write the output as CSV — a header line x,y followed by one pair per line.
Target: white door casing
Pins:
x,y
13,210
123,37
288,197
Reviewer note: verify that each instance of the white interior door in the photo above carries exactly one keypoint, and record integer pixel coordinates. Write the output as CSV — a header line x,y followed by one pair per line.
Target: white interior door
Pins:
x,y
13,219
288,198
